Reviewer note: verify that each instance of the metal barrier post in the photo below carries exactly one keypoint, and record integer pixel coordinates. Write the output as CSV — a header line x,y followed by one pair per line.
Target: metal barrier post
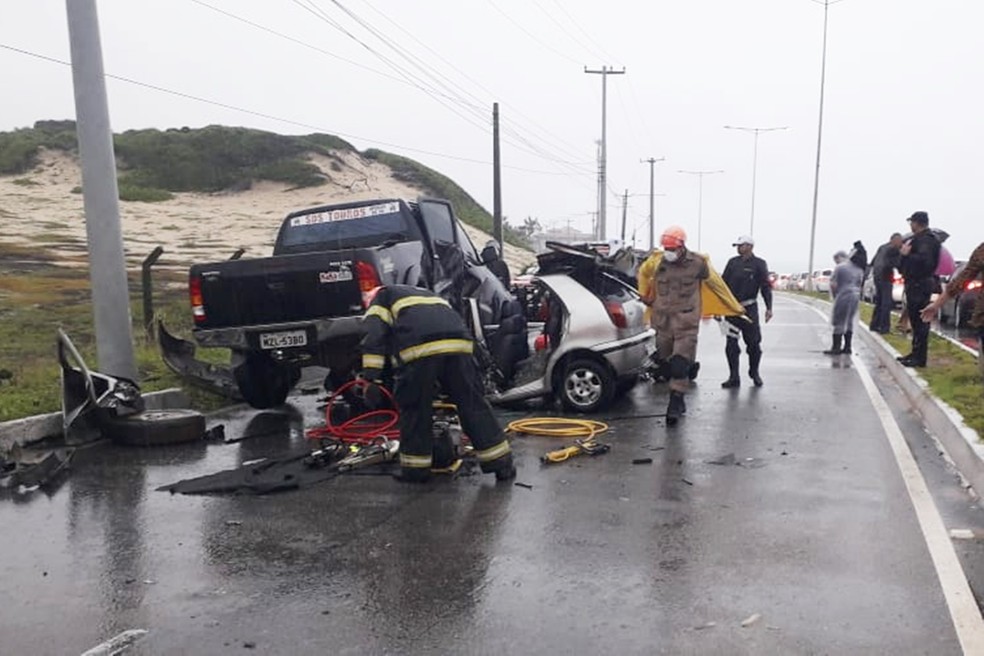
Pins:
x,y
148,293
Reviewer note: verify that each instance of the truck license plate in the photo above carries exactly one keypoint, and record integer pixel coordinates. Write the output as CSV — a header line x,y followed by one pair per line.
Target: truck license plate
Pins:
x,y
283,339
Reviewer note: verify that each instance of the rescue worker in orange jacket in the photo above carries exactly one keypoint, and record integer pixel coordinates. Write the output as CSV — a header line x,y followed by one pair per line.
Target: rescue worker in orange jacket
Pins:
x,y
426,342
675,298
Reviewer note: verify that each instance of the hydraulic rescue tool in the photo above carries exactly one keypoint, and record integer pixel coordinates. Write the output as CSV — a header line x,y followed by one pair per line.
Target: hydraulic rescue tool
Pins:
x,y
587,446
330,455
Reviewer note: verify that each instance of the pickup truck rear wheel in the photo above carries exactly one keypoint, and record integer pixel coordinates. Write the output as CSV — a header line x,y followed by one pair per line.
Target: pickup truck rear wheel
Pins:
x,y
263,382
586,385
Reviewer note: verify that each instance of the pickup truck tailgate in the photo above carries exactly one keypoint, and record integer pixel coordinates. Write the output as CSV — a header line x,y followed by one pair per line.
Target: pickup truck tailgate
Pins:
x,y
278,289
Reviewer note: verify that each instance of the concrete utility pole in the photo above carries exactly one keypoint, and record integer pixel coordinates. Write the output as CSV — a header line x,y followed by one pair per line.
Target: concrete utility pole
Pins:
x,y
603,163
652,204
755,150
625,210
496,179
107,265
700,196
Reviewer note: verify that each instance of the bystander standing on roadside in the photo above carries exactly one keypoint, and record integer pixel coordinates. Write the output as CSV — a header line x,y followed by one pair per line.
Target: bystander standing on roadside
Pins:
x,y
920,256
845,286
972,270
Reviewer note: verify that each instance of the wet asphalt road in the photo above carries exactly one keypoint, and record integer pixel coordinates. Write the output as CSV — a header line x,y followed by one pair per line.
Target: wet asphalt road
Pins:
x,y
807,525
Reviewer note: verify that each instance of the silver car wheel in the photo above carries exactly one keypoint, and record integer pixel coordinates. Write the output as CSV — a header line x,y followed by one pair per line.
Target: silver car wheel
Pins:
x,y
583,386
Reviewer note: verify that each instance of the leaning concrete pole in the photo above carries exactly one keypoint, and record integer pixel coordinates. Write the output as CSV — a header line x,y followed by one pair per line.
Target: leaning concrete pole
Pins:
x,y
107,267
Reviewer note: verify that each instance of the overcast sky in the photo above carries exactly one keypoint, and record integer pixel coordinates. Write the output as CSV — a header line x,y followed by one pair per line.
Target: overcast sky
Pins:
x,y
902,120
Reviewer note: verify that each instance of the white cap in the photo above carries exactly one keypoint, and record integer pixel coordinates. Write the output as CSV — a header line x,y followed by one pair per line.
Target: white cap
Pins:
x,y
744,239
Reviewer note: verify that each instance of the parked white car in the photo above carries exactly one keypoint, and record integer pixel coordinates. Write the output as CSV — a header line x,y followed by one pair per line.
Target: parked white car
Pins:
x,y
898,287
821,280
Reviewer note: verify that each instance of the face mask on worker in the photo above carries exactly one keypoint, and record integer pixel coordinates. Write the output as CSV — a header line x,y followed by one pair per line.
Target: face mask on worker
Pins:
x,y
671,256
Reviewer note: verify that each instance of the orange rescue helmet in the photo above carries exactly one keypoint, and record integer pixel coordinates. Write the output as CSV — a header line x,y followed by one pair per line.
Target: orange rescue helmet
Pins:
x,y
673,237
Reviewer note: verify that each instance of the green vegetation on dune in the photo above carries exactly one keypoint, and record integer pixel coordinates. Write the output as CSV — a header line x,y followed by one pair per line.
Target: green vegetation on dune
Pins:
x,y
19,149
154,164
215,158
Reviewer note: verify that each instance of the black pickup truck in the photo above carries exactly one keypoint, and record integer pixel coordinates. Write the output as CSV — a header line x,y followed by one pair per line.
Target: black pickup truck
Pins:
x,y
303,305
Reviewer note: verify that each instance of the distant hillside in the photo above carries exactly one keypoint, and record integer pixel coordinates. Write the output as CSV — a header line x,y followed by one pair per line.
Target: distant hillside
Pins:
x,y
153,164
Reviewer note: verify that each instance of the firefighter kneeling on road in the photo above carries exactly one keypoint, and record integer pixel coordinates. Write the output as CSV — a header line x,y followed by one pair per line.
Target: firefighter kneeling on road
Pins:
x,y
426,342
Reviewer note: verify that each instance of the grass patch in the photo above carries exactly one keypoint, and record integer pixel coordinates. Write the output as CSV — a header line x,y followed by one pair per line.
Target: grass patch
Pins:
x,y
129,192
25,182
40,298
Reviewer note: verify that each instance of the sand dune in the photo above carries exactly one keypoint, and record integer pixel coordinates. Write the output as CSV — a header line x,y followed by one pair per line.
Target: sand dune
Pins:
x,y
40,210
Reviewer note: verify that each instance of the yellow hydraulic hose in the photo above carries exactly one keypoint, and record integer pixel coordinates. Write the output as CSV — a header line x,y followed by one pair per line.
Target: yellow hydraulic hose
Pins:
x,y
585,429
558,427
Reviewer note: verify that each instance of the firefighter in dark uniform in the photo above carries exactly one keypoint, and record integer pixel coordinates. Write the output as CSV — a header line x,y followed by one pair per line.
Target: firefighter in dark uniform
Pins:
x,y
426,342
747,276
920,255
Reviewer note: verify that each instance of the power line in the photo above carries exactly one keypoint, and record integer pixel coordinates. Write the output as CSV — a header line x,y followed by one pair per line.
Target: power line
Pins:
x,y
466,76
530,34
403,80
320,14
582,30
312,7
303,43
272,117
564,30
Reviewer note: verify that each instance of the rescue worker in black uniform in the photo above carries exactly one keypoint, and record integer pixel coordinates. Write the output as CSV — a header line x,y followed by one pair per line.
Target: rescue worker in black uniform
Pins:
x,y
747,276
920,255
426,342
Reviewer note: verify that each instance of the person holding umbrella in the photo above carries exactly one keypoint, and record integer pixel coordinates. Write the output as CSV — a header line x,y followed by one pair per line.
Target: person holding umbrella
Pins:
x,y
973,269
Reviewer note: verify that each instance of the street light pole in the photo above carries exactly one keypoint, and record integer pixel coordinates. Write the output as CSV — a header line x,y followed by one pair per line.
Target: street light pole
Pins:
x,y
816,176
603,163
700,196
755,131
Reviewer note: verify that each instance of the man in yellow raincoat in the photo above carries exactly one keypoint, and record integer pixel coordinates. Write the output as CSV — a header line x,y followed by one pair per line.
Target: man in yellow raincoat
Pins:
x,y
680,287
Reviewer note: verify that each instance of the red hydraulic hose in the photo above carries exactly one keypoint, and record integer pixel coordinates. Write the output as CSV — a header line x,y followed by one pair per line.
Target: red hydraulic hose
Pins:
x,y
366,428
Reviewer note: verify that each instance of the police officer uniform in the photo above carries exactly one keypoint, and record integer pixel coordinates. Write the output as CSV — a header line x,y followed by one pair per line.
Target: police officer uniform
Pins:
x,y
426,342
918,267
747,277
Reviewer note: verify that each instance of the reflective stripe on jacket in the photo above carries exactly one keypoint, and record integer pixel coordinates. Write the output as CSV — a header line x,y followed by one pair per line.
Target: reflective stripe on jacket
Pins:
x,y
408,323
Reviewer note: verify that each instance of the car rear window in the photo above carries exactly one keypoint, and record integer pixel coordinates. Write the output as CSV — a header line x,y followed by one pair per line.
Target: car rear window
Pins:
x,y
349,227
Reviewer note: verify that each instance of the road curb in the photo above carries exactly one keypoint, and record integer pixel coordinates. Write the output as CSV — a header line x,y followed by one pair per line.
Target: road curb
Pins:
x,y
961,443
29,430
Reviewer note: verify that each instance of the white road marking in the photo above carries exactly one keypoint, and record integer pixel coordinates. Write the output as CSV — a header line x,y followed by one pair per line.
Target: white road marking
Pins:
x,y
116,644
966,616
